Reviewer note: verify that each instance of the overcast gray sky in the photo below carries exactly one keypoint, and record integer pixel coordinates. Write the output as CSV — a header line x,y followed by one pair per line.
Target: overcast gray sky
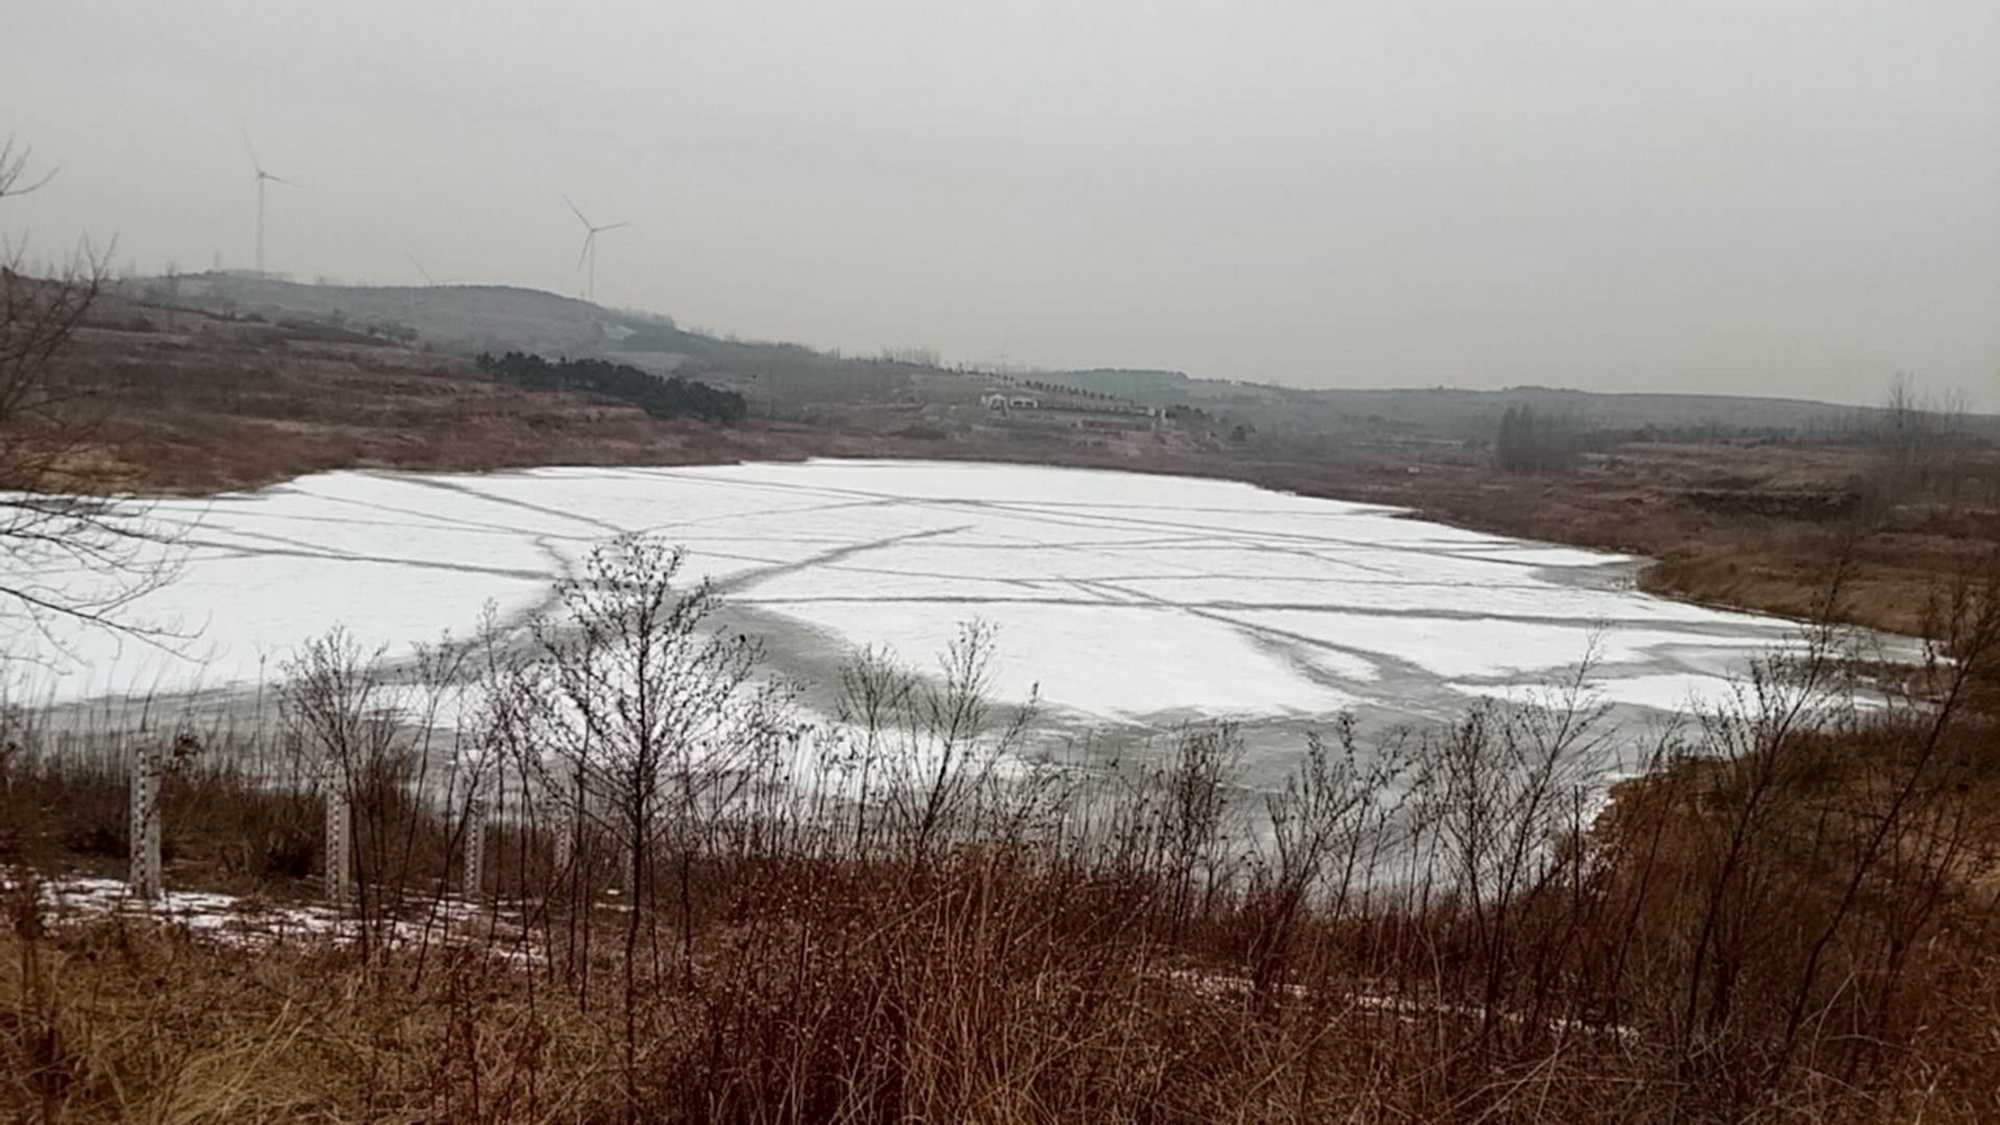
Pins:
x,y
1756,196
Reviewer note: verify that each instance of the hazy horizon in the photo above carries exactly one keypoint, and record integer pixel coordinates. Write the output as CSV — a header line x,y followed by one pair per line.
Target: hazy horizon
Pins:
x,y
1791,199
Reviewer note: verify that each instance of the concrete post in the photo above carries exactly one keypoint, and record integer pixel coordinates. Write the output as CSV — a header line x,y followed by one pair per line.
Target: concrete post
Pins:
x,y
562,826
565,821
338,873
473,881
146,879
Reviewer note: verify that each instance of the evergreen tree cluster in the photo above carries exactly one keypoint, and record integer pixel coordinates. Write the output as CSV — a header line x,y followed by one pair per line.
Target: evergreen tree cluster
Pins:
x,y
1069,389
672,397
1536,442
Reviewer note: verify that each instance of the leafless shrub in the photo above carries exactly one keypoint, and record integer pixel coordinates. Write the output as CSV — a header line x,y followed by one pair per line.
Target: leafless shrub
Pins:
x,y
363,731
1329,827
1787,917
657,723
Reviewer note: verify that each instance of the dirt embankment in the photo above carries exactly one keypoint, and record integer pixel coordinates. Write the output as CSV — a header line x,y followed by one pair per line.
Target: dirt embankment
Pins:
x,y
1777,553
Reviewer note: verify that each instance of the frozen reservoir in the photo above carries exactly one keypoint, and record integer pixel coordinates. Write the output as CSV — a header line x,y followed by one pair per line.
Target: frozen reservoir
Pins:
x,y
1131,599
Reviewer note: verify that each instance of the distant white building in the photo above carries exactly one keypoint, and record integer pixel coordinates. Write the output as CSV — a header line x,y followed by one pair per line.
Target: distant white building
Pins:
x,y
993,400
1023,402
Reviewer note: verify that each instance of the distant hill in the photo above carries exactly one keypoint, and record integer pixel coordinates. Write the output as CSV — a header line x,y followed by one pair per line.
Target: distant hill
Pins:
x,y
472,318
1132,383
501,318
1456,412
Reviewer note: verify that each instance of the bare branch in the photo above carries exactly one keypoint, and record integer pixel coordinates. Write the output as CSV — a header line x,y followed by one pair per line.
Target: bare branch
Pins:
x,y
14,170
70,555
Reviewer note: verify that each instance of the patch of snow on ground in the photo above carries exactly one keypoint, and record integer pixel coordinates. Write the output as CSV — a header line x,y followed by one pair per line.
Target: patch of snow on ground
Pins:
x,y
255,924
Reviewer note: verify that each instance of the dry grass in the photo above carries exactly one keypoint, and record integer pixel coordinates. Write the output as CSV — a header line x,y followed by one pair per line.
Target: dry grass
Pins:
x,y
989,987
1792,919
187,402
1657,501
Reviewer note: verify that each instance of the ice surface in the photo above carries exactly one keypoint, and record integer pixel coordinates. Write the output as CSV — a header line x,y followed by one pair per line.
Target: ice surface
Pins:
x,y
1123,595
1664,691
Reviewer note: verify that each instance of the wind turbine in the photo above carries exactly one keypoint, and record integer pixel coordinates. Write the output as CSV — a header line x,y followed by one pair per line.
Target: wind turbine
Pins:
x,y
589,252
428,279
263,179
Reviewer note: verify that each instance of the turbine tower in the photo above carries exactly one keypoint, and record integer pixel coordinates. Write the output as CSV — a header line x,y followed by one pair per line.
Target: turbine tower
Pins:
x,y
589,252
264,179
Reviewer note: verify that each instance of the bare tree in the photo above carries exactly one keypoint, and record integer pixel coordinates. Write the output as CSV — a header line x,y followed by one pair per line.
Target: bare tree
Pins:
x,y
1196,781
14,180
959,744
1923,439
68,550
658,724
875,693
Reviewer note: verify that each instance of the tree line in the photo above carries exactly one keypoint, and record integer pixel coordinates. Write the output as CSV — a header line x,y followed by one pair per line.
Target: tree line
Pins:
x,y
1532,441
670,397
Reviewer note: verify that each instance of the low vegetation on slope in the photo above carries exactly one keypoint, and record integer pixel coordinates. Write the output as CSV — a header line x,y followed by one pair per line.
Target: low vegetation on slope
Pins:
x,y
1791,918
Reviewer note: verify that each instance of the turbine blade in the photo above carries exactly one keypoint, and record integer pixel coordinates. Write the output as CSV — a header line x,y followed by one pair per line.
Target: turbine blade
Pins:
x,y
279,180
251,149
613,226
585,252
578,212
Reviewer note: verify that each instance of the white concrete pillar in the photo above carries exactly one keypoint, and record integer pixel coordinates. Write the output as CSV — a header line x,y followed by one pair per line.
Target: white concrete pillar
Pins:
x,y
559,810
146,878
338,864
562,830
473,880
